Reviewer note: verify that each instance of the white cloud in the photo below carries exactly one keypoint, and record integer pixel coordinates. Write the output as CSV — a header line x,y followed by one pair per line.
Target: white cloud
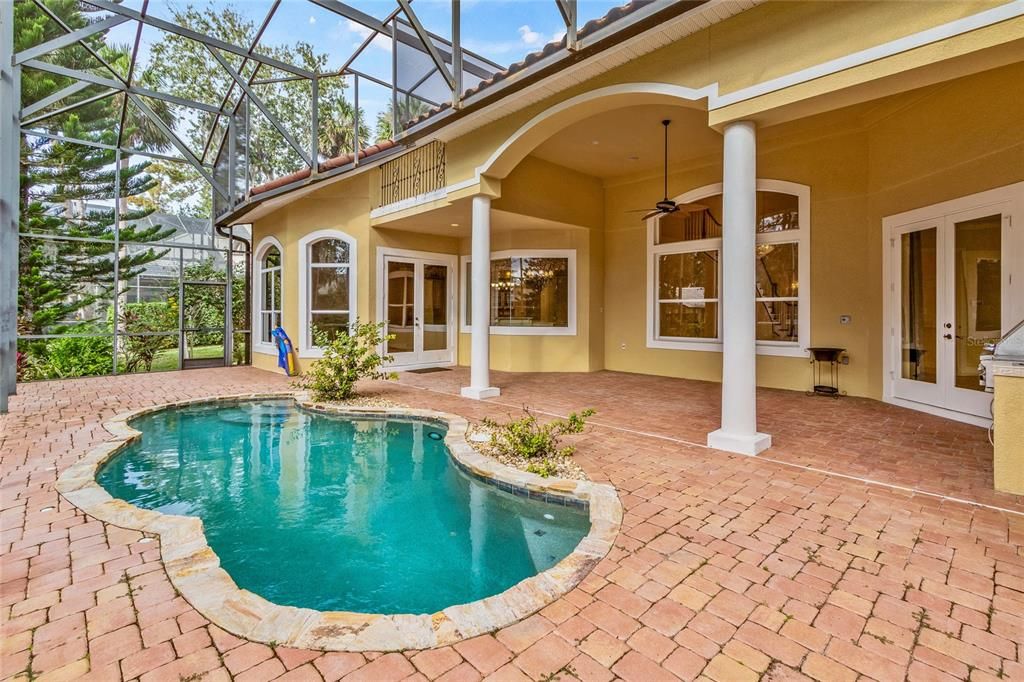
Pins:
x,y
347,29
312,19
528,35
357,28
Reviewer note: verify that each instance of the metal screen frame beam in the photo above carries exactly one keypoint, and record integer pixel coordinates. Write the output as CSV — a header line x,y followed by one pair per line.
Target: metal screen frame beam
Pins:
x,y
93,79
68,39
428,43
181,146
60,22
260,105
567,8
77,86
209,41
10,152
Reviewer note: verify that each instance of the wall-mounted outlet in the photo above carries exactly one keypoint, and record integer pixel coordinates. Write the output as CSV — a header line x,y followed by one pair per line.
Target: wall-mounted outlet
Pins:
x,y
845,319
845,360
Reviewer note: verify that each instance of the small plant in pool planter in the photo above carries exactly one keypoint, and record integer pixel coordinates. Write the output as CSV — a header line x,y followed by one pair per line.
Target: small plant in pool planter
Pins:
x,y
529,439
348,357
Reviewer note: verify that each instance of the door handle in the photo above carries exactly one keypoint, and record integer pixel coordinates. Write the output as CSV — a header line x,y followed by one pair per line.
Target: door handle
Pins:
x,y
947,336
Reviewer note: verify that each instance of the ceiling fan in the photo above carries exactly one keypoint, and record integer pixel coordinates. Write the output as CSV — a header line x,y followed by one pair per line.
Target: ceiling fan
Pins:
x,y
666,205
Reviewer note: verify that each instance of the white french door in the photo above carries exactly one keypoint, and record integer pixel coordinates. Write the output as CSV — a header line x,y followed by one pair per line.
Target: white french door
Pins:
x,y
950,276
416,300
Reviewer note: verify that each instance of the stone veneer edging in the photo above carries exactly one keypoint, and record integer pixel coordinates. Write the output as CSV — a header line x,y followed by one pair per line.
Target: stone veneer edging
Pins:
x,y
194,569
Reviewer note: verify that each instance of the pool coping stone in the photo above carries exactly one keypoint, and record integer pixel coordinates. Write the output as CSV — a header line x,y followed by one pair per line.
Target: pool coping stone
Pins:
x,y
194,568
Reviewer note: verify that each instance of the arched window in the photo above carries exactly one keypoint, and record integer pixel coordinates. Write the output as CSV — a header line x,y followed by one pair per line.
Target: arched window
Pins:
x,y
328,286
684,252
268,294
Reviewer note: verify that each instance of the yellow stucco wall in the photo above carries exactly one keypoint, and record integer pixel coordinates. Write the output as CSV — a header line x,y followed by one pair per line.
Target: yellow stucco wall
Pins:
x,y
862,163
577,204
771,40
1008,414
341,206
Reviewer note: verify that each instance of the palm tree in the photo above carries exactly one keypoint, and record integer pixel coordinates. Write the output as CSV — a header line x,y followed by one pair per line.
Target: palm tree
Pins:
x,y
337,134
408,108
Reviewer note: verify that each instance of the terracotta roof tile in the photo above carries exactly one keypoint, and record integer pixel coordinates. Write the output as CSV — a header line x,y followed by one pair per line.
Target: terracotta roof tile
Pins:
x,y
329,164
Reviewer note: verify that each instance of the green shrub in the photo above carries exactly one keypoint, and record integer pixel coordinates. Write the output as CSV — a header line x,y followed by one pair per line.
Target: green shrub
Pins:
x,y
143,318
348,357
543,468
528,438
69,357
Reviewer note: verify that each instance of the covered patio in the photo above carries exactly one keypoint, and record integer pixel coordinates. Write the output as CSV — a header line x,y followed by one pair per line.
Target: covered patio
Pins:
x,y
789,563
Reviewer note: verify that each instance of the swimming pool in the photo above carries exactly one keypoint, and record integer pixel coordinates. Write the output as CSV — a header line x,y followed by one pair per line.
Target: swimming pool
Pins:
x,y
339,512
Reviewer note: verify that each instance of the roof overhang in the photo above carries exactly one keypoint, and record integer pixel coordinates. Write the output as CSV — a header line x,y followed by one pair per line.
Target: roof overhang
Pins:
x,y
642,31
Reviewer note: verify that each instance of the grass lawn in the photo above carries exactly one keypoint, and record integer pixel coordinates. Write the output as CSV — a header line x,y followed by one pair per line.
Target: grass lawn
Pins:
x,y
168,359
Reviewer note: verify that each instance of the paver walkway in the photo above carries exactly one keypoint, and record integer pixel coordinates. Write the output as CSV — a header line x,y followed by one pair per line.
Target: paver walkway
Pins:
x,y
728,567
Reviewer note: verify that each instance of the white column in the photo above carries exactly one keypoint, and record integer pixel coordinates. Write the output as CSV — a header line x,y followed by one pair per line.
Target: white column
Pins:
x,y
480,358
739,358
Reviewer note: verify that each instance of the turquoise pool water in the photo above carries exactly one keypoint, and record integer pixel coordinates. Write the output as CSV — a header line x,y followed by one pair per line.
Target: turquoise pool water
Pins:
x,y
333,513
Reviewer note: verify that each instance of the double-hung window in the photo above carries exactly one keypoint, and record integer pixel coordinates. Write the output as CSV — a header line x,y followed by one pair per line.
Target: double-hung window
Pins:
x,y
327,288
685,278
268,294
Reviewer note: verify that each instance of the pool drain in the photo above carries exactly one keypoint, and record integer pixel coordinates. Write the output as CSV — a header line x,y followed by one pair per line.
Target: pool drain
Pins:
x,y
434,435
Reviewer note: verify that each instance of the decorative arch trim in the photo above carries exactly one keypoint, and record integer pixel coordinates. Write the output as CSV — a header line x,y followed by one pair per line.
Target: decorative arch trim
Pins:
x,y
563,114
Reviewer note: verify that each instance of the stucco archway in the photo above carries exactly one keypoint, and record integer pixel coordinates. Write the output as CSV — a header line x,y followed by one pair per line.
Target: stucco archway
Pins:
x,y
565,113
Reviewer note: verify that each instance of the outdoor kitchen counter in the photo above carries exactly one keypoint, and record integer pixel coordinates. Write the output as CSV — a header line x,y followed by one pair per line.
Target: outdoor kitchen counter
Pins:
x,y
1008,419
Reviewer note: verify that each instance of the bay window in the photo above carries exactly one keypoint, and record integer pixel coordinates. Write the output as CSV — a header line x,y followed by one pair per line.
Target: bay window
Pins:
x,y
684,251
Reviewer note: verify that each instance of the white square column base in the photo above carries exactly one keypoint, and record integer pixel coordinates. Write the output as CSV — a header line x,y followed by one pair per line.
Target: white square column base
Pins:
x,y
740,444
480,393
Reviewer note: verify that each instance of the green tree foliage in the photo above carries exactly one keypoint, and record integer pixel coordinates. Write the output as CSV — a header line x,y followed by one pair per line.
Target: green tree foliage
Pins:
x,y
63,284
408,109
141,322
69,357
183,67
204,306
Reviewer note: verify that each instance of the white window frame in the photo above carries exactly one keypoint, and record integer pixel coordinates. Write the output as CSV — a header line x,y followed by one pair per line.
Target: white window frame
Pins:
x,y
259,346
306,347
800,236
568,254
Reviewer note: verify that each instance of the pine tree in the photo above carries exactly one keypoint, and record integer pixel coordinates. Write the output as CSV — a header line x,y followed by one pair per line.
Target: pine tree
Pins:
x,y
64,284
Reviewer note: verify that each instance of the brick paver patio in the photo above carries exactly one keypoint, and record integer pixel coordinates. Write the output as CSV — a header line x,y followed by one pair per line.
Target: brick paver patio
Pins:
x,y
728,567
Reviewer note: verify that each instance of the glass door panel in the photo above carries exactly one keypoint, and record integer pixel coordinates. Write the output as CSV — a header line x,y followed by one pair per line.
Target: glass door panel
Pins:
x,y
975,301
977,264
950,298
918,305
435,307
401,306
918,281
418,308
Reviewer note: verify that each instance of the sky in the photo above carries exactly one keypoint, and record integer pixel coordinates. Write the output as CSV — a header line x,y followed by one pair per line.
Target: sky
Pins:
x,y
503,31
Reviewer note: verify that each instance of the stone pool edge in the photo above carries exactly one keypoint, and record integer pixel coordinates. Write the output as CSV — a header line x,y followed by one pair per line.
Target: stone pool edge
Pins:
x,y
194,568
